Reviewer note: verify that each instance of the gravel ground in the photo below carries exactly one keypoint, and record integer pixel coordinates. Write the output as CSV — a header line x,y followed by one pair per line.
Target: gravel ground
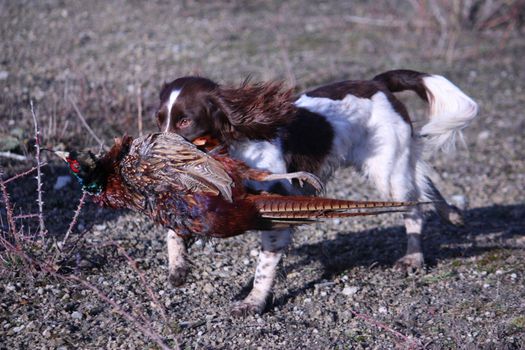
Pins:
x,y
336,286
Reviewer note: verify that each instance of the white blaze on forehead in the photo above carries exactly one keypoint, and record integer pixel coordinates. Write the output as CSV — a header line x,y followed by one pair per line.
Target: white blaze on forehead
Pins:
x,y
171,101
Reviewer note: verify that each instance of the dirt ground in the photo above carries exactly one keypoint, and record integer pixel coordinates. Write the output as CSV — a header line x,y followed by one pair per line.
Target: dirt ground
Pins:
x,y
337,288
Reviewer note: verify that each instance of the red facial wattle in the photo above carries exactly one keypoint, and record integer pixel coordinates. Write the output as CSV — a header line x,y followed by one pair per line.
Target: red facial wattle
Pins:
x,y
73,165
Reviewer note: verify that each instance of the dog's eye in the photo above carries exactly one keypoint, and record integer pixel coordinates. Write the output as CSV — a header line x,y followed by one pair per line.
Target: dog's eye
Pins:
x,y
183,122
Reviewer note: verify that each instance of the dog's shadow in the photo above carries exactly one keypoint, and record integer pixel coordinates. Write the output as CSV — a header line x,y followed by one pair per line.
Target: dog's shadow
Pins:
x,y
488,229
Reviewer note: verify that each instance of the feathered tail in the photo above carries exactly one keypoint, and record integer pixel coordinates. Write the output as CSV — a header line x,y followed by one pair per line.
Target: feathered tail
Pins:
x,y
450,109
280,211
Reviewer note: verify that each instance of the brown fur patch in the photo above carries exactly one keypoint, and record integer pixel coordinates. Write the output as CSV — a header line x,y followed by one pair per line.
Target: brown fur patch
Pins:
x,y
362,89
255,111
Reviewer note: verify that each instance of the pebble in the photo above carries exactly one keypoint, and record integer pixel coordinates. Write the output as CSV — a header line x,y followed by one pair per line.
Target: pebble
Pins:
x,y
351,290
76,315
46,333
484,135
18,329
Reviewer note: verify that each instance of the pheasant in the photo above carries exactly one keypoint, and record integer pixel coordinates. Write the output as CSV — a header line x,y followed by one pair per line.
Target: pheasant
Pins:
x,y
196,193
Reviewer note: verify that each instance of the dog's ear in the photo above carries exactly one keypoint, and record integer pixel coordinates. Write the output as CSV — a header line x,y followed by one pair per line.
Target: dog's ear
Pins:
x,y
254,111
220,124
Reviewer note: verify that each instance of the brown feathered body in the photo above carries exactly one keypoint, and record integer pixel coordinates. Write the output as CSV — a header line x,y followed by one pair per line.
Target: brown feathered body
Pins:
x,y
195,193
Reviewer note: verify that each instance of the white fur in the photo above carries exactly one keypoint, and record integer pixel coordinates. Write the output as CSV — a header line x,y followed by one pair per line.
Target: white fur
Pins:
x,y
262,155
450,112
171,101
177,263
371,136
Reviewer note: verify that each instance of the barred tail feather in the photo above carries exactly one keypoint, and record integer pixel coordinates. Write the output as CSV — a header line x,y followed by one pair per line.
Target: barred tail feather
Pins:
x,y
297,209
451,111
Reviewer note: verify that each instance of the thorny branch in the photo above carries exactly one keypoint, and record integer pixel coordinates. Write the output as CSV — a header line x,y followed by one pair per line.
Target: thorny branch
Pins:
x,y
73,222
43,266
41,225
8,209
411,343
27,172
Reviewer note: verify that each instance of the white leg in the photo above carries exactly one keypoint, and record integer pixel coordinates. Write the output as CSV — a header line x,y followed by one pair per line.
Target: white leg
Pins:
x,y
448,213
413,259
273,244
404,188
177,264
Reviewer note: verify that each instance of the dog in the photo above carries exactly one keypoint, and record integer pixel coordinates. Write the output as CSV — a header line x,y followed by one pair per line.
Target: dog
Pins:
x,y
357,123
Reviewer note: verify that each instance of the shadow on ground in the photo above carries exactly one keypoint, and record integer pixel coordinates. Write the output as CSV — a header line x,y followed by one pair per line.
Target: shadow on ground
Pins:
x,y
488,229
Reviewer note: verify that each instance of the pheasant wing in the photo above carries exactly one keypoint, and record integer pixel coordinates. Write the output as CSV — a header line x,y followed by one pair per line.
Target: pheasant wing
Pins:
x,y
166,160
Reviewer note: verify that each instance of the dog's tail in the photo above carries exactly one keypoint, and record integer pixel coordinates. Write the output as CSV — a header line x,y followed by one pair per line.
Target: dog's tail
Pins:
x,y
451,110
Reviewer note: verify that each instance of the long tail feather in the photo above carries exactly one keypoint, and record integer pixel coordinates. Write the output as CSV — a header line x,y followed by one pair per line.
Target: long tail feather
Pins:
x,y
268,204
282,211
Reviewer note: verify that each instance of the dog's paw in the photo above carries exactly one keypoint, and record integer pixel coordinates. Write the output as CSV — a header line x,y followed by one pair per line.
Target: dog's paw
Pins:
x,y
177,276
245,308
455,217
451,215
411,263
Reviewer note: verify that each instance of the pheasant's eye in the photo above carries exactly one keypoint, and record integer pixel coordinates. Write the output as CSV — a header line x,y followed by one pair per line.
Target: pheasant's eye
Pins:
x,y
74,165
183,123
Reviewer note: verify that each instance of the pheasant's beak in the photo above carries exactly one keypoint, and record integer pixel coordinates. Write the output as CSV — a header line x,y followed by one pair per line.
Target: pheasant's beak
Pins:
x,y
63,155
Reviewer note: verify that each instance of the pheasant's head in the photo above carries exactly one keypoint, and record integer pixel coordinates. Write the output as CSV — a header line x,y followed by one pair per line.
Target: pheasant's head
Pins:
x,y
85,167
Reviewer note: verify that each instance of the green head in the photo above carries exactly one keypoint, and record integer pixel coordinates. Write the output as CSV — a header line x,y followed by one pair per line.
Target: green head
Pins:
x,y
85,167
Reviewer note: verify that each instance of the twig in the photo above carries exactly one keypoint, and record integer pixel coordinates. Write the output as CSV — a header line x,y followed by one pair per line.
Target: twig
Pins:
x,y
283,50
443,25
142,326
27,172
150,292
75,217
375,21
25,216
41,225
83,120
410,342
9,209
139,109
13,156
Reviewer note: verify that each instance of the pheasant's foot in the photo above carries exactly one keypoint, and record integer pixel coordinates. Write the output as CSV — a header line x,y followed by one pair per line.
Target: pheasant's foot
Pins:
x,y
301,176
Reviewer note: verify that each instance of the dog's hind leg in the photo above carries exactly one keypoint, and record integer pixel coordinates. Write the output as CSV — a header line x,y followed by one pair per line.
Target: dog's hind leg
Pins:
x,y
448,213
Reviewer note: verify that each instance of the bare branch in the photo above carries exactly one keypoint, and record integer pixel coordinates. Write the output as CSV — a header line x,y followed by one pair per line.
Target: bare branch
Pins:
x,y
389,23
83,120
9,209
73,222
290,76
43,266
41,225
139,109
27,172
150,292
14,156
411,343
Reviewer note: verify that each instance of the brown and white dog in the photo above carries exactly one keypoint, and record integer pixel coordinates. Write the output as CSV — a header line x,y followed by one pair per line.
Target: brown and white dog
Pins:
x,y
348,123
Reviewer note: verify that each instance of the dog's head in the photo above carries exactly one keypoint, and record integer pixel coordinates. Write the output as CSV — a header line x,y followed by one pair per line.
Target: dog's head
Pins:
x,y
187,108
194,107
